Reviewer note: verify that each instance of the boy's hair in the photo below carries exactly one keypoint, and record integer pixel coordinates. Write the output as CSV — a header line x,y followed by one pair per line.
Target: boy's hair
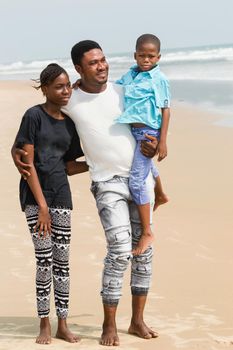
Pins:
x,y
79,49
148,38
49,74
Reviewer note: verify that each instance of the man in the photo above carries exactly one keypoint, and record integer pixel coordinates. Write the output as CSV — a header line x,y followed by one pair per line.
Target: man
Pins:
x,y
109,149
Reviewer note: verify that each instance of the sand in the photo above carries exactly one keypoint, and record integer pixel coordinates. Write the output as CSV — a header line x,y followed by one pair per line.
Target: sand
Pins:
x,y
190,302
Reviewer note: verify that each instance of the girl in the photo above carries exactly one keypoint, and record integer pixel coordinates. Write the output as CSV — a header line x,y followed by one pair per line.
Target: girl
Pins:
x,y
51,145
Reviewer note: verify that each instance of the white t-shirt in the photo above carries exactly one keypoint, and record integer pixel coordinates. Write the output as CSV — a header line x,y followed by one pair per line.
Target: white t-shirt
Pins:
x,y
108,146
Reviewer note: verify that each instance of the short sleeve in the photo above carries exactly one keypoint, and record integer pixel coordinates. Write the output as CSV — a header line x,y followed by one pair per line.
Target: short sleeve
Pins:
x,y
162,94
75,150
27,130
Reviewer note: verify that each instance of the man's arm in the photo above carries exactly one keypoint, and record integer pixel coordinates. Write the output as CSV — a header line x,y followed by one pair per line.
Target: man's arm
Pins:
x,y
73,167
17,155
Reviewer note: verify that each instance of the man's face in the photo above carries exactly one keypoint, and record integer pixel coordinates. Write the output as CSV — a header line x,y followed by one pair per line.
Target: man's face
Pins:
x,y
93,68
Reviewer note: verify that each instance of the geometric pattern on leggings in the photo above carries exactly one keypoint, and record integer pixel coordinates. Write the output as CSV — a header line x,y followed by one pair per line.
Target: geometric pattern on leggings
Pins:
x,y
52,260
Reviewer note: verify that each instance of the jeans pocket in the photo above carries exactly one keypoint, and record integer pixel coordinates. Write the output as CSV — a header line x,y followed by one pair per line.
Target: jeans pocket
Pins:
x,y
120,238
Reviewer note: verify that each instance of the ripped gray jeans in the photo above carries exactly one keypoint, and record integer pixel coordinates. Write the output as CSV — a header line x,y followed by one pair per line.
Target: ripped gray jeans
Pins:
x,y
121,223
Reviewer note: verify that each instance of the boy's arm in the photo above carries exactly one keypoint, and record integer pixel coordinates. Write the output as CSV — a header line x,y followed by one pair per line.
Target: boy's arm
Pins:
x,y
162,146
44,222
74,167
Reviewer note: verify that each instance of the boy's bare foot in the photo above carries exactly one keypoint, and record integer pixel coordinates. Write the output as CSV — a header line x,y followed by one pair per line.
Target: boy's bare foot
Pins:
x,y
109,336
159,200
45,332
64,333
144,242
141,330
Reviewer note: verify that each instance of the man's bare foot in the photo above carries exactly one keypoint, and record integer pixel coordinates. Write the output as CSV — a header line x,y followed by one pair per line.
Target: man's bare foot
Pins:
x,y
45,332
160,199
109,336
141,330
64,333
144,242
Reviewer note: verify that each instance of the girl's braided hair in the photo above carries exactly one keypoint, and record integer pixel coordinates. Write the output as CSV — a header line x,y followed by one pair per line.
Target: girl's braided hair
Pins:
x,y
49,74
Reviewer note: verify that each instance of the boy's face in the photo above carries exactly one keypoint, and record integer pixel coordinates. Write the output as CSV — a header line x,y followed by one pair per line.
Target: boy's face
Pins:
x,y
147,56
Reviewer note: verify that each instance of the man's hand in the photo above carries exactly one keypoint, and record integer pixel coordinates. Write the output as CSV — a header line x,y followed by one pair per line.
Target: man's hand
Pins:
x,y
77,84
23,168
148,148
161,151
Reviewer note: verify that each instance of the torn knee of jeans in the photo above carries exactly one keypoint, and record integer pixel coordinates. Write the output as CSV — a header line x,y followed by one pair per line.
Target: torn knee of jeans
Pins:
x,y
142,263
142,271
123,258
117,262
142,259
120,262
111,283
141,268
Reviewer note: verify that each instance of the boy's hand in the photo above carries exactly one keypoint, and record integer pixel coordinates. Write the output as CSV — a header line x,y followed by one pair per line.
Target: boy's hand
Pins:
x,y
148,148
76,85
161,151
23,168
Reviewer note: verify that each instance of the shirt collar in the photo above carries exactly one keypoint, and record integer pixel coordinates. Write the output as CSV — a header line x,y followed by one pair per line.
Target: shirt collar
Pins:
x,y
152,73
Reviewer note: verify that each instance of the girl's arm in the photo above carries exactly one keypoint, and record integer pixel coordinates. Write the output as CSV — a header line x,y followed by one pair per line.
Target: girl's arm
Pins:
x,y
162,146
44,221
74,167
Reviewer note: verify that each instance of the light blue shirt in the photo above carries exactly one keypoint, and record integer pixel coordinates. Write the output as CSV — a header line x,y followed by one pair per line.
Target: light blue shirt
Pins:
x,y
145,94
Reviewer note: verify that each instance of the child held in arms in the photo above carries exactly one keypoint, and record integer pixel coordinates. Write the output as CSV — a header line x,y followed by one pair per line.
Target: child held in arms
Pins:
x,y
147,110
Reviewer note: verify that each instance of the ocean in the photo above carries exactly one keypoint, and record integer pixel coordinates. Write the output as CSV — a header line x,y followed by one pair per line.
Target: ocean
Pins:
x,y
202,76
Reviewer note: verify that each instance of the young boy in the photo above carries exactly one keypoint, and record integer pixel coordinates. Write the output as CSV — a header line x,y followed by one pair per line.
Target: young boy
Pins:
x,y
147,102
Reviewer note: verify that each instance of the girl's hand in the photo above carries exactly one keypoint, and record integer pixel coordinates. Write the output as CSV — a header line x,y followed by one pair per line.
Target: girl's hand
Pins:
x,y
43,225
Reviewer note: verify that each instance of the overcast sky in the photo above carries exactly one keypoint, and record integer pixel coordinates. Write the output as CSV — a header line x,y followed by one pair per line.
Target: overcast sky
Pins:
x,y
38,29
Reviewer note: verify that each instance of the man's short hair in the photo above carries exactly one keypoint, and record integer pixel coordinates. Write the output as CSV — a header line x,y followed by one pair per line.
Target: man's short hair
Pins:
x,y
148,38
79,49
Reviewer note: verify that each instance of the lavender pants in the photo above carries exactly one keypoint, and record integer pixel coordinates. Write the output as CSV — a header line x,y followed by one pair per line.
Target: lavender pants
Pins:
x,y
141,167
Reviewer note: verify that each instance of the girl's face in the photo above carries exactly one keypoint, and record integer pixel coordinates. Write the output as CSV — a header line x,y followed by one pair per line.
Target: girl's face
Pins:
x,y
58,92
147,56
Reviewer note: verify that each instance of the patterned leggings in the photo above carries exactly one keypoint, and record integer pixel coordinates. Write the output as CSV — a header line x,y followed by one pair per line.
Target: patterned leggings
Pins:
x,y
52,260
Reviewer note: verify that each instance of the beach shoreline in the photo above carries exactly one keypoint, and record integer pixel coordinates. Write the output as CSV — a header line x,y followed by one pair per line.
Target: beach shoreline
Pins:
x,y
190,299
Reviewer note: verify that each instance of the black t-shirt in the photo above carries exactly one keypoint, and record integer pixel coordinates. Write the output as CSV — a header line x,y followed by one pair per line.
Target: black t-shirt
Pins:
x,y
55,142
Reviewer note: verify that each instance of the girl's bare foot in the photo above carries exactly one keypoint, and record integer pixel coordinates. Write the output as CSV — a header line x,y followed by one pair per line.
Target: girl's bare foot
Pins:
x,y
145,241
45,332
160,199
64,333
